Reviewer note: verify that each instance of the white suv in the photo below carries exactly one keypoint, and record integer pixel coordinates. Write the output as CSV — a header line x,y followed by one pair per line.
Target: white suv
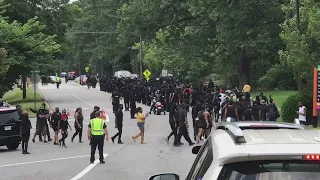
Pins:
x,y
256,151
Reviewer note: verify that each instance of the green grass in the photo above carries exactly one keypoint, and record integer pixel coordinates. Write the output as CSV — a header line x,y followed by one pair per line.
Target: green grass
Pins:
x,y
14,97
278,96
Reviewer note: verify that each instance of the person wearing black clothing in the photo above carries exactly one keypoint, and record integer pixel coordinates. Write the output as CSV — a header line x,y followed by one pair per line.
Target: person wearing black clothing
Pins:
x,y
25,132
263,110
194,112
119,125
203,122
95,109
248,114
126,98
115,101
63,125
231,112
182,126
172,122
78,124
55,118
132,105
42,127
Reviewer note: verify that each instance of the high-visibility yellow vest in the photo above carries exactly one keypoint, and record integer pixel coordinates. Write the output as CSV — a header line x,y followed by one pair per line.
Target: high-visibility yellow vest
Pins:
x,y
97,127
57,79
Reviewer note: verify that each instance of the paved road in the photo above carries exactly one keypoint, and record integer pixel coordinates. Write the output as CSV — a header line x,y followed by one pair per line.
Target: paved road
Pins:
x,y
129,161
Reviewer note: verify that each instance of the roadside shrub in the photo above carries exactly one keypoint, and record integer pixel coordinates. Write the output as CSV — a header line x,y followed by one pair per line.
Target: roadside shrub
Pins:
x,y
290,106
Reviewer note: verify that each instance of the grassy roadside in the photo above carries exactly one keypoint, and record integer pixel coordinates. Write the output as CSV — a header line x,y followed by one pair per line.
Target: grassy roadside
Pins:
x,y
14,97
279,97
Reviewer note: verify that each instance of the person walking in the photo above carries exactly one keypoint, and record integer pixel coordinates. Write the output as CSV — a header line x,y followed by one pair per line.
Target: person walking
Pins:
x,y
78,124
182,126
55,118
97,129
58,81
140,123
25,132
119,125
63,125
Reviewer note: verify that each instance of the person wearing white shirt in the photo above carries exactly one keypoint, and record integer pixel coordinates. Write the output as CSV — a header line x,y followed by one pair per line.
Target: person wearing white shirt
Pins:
x,y
302,114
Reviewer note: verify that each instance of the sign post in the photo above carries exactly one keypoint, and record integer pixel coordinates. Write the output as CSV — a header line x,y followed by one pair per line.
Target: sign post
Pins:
x,y
35,79
147,74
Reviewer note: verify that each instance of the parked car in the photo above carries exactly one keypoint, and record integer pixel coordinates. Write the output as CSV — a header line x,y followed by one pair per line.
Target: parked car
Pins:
x,y
9,127
83,79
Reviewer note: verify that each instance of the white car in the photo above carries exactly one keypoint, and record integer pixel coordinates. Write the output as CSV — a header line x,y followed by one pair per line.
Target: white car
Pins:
x,y
256,151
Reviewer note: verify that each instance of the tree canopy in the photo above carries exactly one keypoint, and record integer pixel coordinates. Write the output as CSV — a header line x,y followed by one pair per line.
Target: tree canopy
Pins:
x,y
255,41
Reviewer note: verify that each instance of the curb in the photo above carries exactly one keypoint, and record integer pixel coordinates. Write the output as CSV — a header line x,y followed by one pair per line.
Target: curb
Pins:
x,y
45,99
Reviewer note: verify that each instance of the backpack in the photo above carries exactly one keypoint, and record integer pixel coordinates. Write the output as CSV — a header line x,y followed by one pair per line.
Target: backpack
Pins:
x,y
273,112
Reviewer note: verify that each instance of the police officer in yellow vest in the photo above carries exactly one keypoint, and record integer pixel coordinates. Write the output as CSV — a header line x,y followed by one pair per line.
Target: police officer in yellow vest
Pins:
x,y
58,81
97,130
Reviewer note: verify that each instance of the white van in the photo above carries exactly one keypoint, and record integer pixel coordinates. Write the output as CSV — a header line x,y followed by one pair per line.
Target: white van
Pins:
x,y
122,73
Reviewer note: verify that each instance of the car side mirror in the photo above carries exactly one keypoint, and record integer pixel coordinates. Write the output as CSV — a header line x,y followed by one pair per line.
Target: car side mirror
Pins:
x,y
196,149
168,176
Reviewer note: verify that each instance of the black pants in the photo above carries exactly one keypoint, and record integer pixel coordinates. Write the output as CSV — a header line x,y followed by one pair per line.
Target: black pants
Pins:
x,y
132,109
64,134
195,128
115,107
78,131
173,130
126,105
96,141
119,133
25,141
182,131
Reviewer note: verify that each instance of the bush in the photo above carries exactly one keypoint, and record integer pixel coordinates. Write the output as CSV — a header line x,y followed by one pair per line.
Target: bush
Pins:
x,y
290,106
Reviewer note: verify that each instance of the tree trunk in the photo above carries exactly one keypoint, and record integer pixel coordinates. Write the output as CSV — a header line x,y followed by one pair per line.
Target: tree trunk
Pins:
x,y
244,65
24,88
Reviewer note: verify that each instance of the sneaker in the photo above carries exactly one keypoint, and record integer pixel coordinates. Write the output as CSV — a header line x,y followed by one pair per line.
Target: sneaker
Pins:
x,y
120,142
191,144
45,141
26,152
102,162
167,139
33,140
112,139
91,162
23,152
80,141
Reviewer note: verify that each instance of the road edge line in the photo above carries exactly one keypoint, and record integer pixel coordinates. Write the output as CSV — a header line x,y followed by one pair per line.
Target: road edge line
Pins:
x,y
45,99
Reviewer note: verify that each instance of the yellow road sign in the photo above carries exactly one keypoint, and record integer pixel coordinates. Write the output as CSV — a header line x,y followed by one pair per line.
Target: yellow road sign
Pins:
x,y
87,69
147,78
146,73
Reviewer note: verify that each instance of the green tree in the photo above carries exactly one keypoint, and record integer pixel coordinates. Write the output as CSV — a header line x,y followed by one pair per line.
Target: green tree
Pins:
x,y
28,48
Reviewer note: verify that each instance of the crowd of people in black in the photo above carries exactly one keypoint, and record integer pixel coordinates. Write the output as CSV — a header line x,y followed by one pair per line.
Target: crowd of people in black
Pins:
x,y
208,103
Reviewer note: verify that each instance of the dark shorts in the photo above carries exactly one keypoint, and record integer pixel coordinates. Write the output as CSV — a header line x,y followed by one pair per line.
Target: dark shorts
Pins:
x,y
140,124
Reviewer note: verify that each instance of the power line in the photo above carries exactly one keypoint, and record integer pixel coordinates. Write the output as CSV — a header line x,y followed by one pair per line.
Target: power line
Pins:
x,y
94,32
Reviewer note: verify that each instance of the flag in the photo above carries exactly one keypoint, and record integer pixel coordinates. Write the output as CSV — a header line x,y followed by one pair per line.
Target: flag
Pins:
x,y
105,116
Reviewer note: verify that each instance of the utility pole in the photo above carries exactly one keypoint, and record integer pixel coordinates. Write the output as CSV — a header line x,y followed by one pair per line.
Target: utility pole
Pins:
x,y
298,14
140,55
60,66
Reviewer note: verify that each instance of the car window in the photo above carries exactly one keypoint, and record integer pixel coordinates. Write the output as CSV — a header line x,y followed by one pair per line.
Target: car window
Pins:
x,y
6,116
271,170
203,161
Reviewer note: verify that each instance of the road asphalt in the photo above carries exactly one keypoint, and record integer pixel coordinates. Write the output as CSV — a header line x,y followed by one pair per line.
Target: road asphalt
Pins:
x,y
128,161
